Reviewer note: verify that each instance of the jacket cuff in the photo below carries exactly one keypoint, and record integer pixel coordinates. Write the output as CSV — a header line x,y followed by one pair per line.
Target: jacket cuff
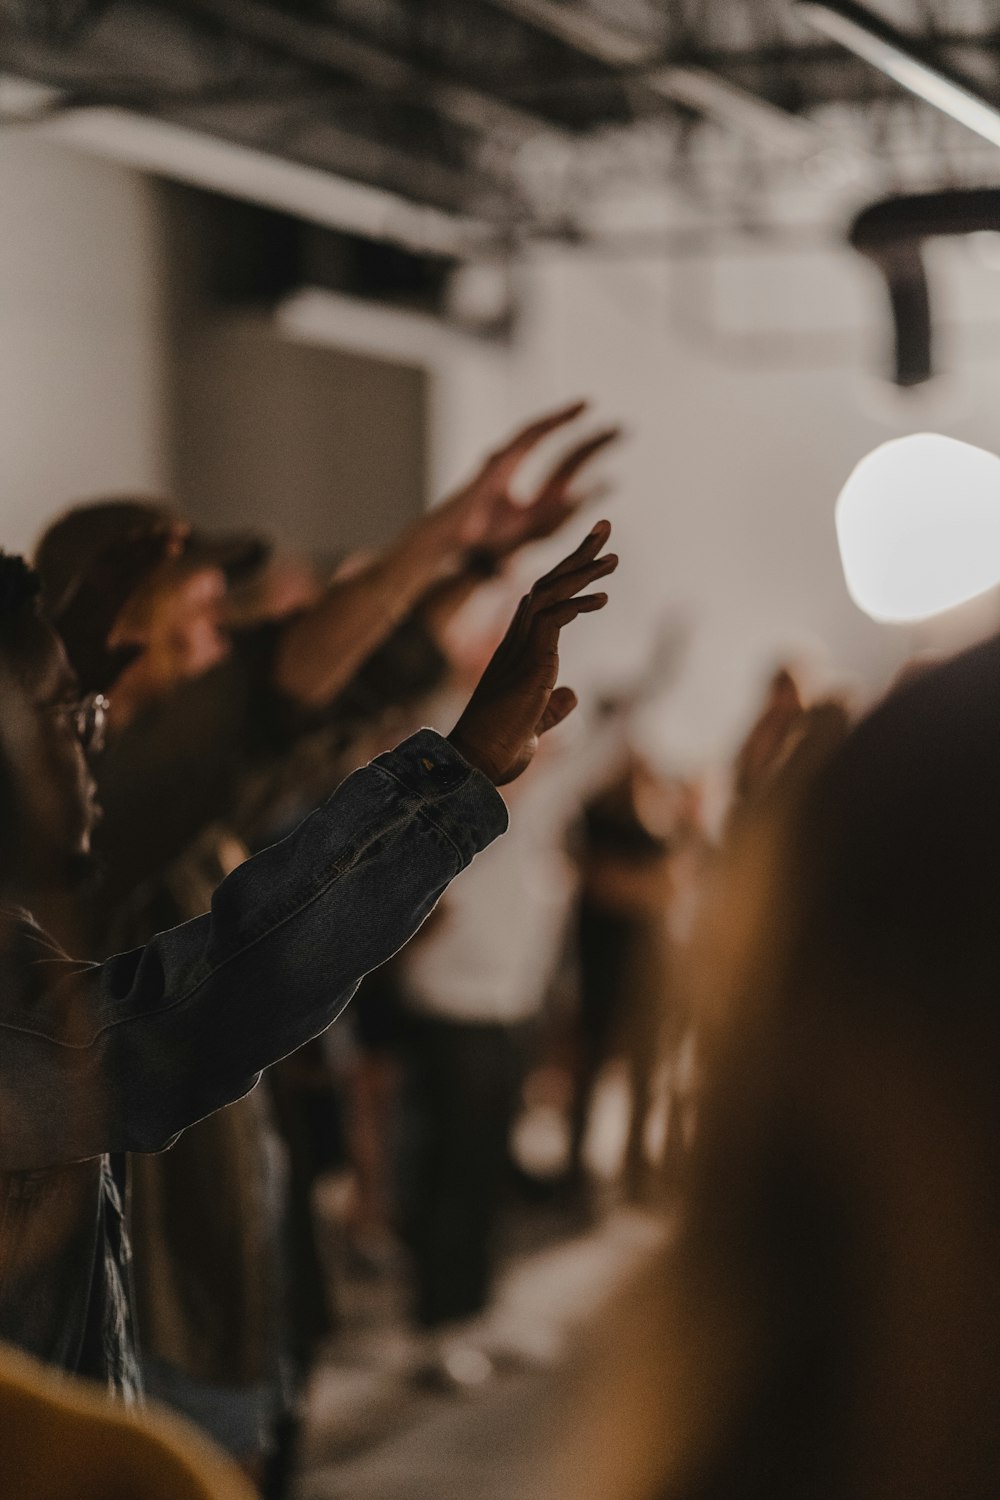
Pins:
x,y
460,800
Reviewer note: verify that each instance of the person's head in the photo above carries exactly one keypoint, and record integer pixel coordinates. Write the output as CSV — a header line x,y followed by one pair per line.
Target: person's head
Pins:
x,y
828,1319
137,593
852,1148
48,731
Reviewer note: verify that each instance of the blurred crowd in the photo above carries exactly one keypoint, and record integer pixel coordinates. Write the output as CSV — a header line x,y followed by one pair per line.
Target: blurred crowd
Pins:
x,y
769,1026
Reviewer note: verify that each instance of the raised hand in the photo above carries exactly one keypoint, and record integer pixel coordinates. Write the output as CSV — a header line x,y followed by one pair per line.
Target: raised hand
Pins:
x,y
773,734
491,521
517,699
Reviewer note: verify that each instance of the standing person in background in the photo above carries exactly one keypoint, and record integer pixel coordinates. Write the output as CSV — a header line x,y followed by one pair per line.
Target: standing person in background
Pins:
x,y
472,990
621,929
632,835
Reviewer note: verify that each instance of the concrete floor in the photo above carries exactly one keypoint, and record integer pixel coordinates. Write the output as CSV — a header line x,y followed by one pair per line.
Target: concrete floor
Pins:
x,y
372,1434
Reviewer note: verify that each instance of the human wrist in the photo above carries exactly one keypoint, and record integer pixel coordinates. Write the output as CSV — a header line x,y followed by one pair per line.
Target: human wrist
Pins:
x,y
424,558
471,749
442,529
481,562
455,794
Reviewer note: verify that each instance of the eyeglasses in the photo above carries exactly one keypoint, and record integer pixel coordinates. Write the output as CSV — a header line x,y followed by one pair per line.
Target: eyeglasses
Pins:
x,y
90,722
87,719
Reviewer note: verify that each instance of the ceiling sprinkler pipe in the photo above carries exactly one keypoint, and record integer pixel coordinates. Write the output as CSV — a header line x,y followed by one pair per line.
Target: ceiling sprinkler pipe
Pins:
x,y
891,234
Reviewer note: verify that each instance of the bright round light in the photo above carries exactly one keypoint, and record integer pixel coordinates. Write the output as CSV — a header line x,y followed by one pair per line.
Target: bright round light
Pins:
x,y
918,524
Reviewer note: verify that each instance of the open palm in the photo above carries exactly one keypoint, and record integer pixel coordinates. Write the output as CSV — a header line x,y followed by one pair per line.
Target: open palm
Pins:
x,y
494,521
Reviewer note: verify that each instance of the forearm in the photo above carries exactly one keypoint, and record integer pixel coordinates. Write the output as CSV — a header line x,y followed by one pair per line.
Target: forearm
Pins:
x,y
155,1039
320,651
440,605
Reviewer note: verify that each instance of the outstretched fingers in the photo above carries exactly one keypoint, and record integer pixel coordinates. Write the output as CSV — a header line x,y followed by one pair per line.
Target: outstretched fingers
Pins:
x,y
566,610
502,464
556,599
565,585
577,571
523,441
582,497
581,557
566,471
539,634
560,705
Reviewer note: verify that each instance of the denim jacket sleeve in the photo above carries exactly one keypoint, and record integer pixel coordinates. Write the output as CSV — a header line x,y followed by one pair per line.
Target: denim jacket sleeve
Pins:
x,y
126,1054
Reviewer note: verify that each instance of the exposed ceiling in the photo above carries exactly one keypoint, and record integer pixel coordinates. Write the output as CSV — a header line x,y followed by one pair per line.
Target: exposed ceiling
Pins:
x,y
520,112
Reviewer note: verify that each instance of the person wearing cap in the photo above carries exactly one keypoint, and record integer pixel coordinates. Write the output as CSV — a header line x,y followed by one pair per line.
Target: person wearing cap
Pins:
x,y
101,1059
138,597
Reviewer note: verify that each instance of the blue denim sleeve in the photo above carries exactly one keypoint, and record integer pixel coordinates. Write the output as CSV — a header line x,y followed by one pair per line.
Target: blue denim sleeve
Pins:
x,y
124,1055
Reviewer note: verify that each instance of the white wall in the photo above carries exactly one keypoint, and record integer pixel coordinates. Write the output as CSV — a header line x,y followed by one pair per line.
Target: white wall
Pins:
x,y
80,374
735,454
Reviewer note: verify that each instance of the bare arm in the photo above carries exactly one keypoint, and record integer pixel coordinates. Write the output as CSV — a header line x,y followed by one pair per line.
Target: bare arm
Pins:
x,y
440,560
321,651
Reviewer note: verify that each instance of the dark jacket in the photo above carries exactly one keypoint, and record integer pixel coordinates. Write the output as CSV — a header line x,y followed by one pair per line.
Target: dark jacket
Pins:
x,y
99,1059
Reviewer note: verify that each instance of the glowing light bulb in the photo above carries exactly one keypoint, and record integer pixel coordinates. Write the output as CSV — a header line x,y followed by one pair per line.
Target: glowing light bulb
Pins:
x,y
918,524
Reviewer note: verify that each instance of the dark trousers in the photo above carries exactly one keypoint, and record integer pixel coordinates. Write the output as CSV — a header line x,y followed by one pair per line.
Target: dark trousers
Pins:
x,y
461,1093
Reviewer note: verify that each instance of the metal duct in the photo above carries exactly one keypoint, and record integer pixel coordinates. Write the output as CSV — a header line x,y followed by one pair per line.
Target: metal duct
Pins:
x,y
891,235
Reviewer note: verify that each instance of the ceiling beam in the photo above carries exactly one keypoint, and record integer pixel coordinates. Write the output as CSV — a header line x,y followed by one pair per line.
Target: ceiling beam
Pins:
x,y
318,45
581,28
692,86
236,171
901,58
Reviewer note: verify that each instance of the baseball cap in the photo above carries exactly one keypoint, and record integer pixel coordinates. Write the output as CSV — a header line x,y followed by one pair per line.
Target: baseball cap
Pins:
x,y
93,558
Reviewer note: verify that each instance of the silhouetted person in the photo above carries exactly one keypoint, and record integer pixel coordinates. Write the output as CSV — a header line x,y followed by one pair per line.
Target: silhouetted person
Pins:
x,y
829,1321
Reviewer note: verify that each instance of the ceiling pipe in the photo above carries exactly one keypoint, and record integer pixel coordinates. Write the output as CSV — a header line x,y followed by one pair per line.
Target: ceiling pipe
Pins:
x,y
892,235
901,58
